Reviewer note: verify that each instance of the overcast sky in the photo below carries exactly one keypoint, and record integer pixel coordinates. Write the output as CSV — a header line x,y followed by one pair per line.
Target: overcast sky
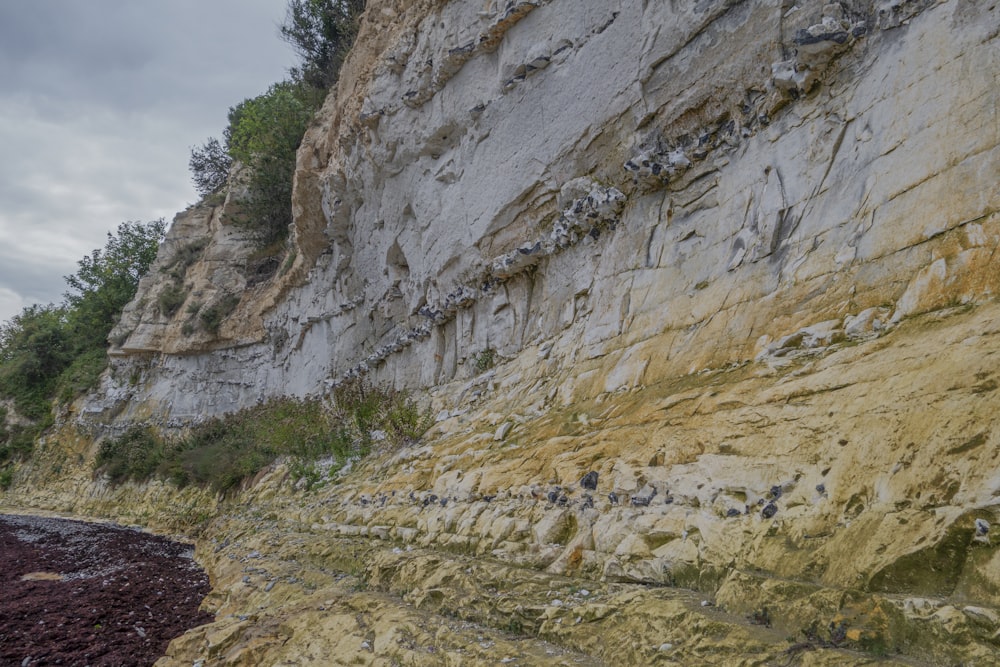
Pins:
x,y
101,102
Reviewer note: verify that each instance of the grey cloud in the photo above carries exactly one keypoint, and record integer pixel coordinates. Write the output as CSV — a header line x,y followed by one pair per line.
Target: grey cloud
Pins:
x,y
100,103
32,279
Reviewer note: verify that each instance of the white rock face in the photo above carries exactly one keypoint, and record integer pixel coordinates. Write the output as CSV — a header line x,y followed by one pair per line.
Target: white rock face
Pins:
x,y
657,187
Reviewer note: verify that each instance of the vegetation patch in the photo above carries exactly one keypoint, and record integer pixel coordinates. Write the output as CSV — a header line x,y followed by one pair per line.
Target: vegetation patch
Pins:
x,y
485,360
264,132
224,452
57,352
211,318
170,299
185,257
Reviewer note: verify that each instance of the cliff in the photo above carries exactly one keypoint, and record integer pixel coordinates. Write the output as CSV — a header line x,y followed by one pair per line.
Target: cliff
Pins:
x,y
702,295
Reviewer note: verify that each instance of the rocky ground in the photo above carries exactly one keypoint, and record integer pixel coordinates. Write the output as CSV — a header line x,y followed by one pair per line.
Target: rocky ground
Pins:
x,y
90,594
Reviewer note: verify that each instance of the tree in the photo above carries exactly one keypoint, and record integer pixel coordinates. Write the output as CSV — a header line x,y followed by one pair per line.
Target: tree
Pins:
x,y
210,165
107,280
52,350
264,133
271,124
321,32
35,347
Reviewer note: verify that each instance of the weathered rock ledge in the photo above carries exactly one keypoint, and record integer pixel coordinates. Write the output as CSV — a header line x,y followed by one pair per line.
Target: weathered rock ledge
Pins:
x,y
826,510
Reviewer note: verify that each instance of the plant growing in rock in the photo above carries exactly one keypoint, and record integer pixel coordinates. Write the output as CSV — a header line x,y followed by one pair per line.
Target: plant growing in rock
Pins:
x,y
321,32
134,455
485,360
210,164
224,452
264,132
211,318
6,478
170,299
185,257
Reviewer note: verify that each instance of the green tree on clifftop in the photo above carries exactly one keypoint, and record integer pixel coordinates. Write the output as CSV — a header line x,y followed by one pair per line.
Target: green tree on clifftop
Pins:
x,y
321,32
265,132
108,278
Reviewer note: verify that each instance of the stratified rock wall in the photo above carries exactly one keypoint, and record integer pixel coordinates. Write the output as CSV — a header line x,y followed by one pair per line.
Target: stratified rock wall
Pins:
x,y
671,187
702,295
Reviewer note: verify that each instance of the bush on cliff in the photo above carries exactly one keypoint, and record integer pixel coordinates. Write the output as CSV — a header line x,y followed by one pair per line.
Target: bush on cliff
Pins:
x,y
264,132
321,32
224,452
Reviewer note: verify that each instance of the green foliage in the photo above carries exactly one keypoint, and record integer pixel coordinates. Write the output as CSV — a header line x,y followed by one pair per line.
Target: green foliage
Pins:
x,y
224,452
210,165
134,455
369,415
57,352
272,124
310,474
184,257
81,374
35,347
212,317
265,132
170,298
321,32
107,280
6,478
485,360
20,440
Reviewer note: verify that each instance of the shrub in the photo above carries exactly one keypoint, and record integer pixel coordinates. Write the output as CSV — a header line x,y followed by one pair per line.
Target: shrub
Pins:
x,y
264,132
210,165
224,452
6,478
212,317
184,257
170,299
321,32
135,455
82,374
485,360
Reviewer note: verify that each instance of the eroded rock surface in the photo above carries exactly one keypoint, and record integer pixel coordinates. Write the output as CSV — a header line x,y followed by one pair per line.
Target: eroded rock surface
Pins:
x,y
737,259
627,180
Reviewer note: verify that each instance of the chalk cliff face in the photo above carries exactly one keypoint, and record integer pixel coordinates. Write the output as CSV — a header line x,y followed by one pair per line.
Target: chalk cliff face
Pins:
x,y
644,188
736,258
